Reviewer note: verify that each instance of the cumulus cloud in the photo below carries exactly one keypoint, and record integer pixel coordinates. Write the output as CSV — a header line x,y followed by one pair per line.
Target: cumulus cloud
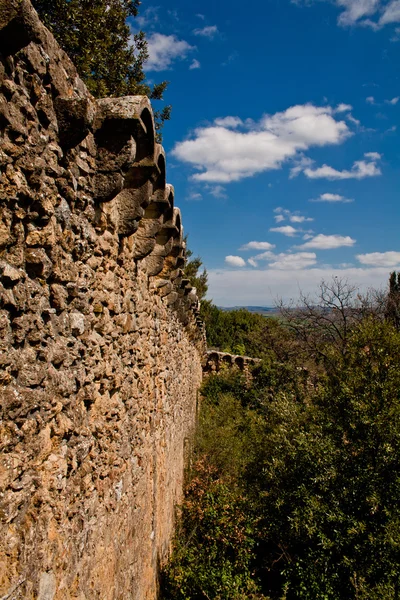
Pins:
x,y
343,108
391,14
299,260
393,101
286,260
268,255
286,230
294,217
224,155
218,191
328,242
252,262
210,31
195,64
228,122
380,259
235,261
370,100
365,13
327,197
355,10
164,50
359,170
192,196
257,246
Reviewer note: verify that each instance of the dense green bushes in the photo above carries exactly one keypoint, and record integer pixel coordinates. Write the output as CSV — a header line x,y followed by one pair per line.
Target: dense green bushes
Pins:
x,y
295,486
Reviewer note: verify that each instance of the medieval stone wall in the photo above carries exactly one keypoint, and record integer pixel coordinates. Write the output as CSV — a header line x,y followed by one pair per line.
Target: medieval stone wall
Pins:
x,y
100,340
216,361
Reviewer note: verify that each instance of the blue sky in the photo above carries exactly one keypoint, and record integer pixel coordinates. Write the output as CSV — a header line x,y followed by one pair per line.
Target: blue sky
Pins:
x,y
283,146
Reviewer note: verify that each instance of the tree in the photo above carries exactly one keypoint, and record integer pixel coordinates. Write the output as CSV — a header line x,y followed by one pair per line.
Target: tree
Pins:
x,y
392,312
96,36
325,321
191,270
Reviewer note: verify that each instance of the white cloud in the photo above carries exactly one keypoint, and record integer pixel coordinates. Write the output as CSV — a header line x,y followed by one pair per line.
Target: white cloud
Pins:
x,y
262,287
194,196
373,155
328,242
301,162
195,64
356,10
343,108
224,155
396,35
252,262
235,261
359,170
163,50
393,101
353,119
148,18
391,13
288,260
293,217
327,197
299,219
268,255
286,230
218,191
299,260
363,12
380,259
257,246
370,100
209,31
228,122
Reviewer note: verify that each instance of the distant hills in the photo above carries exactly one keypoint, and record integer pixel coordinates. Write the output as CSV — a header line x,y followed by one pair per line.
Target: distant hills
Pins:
x,y
267,311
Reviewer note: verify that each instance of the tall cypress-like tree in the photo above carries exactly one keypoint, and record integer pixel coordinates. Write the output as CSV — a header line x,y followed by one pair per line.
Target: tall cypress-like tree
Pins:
x,y
393,300
96,36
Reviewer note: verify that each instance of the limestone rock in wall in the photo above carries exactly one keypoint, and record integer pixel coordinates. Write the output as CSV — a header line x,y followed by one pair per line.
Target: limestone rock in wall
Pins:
x,y
100,340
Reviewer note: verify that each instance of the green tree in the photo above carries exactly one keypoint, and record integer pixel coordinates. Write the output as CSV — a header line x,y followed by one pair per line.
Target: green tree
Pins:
x,y
191,270
328,474
392,312
96,36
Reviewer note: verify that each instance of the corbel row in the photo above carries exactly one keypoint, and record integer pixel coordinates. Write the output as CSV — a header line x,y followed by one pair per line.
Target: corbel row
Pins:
x,y
133,196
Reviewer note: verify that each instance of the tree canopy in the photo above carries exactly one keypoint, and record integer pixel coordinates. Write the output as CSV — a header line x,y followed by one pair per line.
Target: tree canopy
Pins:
x,y
97,37
294,484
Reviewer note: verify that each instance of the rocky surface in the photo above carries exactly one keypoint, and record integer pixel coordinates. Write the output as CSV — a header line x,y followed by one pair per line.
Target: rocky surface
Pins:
x,y
100,339
215,361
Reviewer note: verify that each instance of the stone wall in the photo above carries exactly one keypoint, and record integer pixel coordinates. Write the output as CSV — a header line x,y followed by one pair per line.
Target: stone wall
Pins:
x,y
100,340
217,361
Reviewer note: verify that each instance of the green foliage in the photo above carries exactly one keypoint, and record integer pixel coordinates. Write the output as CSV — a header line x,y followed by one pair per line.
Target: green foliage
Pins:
x,y
191,271
235,331
212,555
331,493
392,312
97,38
310,471
214,547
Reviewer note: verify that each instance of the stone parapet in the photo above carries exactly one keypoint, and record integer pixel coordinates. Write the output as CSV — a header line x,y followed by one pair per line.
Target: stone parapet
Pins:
x,y
215,361
101,343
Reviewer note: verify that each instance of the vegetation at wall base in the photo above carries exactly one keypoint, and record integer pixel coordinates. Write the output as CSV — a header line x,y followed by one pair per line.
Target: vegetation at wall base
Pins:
x,y
294,488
